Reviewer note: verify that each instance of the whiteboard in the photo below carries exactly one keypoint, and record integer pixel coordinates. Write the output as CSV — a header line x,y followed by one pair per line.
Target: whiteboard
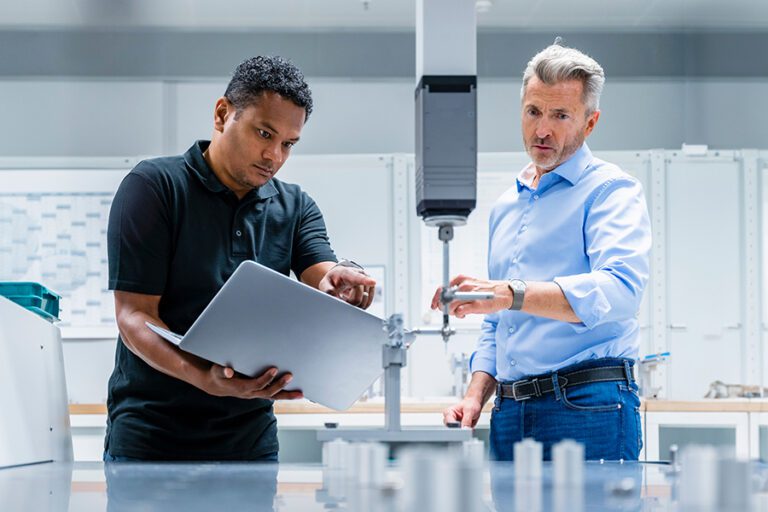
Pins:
x,y
53,226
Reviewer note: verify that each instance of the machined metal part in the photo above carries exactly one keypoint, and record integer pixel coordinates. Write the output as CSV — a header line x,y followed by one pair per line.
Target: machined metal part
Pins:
x,y
426,435
735,484
568,461
698,478
528,459
442,480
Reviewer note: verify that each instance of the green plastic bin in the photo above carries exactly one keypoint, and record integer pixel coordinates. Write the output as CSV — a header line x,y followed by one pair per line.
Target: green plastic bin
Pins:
x,y
34,297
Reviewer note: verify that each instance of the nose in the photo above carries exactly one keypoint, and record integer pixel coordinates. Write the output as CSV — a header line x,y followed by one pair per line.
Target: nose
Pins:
x,y
543,128
272,153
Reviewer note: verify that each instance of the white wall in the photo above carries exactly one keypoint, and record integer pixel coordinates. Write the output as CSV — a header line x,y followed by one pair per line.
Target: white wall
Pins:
x,y
130,118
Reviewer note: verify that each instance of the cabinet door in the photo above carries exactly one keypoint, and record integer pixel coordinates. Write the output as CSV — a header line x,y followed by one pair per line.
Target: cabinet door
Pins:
x,y
704,274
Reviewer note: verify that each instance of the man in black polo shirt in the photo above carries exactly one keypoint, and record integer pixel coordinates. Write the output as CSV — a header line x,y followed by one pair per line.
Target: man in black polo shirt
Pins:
x,y
178,228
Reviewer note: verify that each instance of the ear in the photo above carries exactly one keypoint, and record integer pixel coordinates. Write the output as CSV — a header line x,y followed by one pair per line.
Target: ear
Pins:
x,y
221,113
591,122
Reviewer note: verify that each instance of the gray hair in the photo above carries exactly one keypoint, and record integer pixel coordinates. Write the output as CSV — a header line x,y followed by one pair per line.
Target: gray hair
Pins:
x,y
558,63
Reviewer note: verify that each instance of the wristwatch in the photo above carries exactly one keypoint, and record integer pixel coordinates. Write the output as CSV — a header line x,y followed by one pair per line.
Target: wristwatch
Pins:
x,y
518,287
350,264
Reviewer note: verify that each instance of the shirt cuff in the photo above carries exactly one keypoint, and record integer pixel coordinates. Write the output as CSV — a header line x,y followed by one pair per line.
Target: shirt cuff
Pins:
x,y
481,363
586,298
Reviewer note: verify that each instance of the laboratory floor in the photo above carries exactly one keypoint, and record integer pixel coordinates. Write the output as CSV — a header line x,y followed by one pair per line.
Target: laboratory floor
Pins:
x,y
91,487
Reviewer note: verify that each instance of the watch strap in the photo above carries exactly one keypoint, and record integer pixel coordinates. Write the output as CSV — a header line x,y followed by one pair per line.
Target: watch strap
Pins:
x,y
517,287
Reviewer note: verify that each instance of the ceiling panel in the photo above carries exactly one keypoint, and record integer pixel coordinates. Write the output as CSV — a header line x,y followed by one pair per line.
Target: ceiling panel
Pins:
x,y
381,14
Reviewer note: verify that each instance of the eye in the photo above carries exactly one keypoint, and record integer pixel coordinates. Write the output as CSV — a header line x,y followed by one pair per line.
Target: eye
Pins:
x,y
289,145
562,116
532,112
264,134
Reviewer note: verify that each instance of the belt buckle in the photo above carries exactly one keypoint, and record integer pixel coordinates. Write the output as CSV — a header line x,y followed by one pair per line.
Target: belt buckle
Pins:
x,y
514,390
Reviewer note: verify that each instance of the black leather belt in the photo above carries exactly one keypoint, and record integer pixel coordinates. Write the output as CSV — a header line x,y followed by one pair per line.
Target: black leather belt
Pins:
x,y
537,386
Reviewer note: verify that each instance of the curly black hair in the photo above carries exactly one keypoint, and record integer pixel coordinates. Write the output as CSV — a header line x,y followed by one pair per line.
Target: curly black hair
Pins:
x,y
257,75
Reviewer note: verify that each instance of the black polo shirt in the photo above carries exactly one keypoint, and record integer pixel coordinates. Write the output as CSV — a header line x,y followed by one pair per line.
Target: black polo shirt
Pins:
x,y
176,231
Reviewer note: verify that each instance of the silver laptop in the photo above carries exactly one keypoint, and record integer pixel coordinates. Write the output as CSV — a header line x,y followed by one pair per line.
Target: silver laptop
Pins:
x,y
261,318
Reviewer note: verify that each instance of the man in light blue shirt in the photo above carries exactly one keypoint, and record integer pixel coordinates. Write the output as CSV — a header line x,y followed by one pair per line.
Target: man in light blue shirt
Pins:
x,y
568,262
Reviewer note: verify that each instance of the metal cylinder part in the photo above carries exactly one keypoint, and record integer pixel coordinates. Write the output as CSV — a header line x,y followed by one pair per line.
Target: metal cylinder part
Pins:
x,y
568,461
528,459
370,464
698,478
442,481
335,454
735,485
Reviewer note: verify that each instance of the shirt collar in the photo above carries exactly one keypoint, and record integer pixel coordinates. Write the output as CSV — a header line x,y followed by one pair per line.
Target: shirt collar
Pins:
x,y
571,170
196,163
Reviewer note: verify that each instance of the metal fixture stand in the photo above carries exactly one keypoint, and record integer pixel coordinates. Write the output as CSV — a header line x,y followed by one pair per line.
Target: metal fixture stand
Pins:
x,y
394,359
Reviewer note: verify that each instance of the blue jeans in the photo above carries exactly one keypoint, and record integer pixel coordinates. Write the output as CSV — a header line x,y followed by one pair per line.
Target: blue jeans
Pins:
x,y
108,457
603,416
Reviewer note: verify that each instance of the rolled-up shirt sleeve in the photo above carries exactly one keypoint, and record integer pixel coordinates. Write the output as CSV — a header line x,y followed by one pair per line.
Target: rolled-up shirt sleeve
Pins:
x,y
311,244
483,359
617,236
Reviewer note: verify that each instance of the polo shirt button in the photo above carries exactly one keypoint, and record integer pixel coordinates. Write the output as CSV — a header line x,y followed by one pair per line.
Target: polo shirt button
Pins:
x,y
512,362
524,228
511,329
536,197
239,233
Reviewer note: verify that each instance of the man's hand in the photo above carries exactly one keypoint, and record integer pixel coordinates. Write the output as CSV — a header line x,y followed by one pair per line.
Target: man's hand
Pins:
x,y
222,381
480,389
502,296
467,412
349,284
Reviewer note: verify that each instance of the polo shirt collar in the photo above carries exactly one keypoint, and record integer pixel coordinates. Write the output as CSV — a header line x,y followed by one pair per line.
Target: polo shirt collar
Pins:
x,y
572,169
196,162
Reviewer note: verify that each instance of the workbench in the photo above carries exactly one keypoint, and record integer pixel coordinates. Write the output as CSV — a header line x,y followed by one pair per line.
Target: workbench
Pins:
x,y
91,487
740,425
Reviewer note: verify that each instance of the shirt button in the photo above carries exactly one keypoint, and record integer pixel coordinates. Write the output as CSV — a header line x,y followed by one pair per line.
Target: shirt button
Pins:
x,y
524,228
536,197
514,260
238,233
511,329
512,362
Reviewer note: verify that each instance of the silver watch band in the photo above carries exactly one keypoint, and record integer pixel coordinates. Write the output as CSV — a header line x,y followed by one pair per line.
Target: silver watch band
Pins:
x,y
350,264
518,287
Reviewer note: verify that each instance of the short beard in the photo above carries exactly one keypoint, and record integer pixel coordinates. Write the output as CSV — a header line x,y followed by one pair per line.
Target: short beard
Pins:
x,y
557,159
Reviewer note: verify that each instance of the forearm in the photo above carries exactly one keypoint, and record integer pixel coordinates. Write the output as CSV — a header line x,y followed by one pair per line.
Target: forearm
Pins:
x,y
314,274
481,387
546,299
158,353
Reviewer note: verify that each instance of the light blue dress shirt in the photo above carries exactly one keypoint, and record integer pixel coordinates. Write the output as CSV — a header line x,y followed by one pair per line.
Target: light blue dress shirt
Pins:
x,y
585,227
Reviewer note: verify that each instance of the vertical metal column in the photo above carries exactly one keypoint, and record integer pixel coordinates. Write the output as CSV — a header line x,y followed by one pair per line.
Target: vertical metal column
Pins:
x,y
394,358
659,265
752,360
392,398
445,234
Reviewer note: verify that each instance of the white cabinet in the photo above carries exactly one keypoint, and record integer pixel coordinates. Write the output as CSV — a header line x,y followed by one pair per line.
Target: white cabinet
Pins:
x,y
704,265
730,430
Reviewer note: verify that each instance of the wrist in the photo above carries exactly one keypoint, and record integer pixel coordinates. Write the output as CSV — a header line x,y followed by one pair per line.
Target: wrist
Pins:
x,y
504,293
349,264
